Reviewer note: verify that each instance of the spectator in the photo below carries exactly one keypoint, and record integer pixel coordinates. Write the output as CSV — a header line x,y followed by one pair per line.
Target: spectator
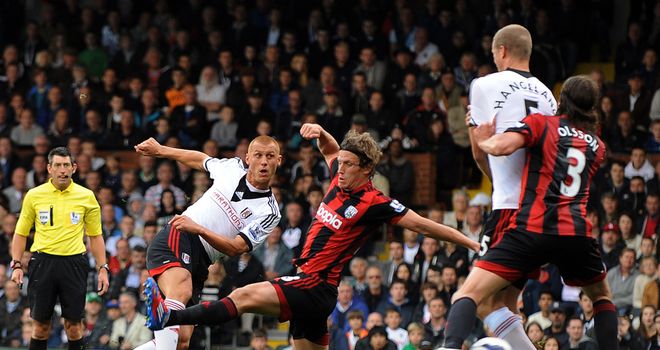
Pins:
x,y
535,333
275,255
611,246
374,70
294,228
11,310
399,172
542,317
128,279
653,143
16,192
639,165
428,257
309,164
647,329
622,281
587,314
647,225
634,199
348,340
358,279
127,135
576,337
379,118
127,231
165,178
625,136
129,330
189,119
24,133
459,203
394,260
637,100
435,327
346,303
423,48
415,336
376,340
395,333
630,238
398,301
375,293
97,326
557,328
473,224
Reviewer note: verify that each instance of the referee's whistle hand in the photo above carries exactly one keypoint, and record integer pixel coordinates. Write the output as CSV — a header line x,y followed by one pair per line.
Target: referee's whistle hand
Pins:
x,y
17,276
103,283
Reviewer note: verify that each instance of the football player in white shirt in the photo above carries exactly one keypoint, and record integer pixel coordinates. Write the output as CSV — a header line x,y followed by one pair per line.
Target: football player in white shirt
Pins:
x,y
508,96
232,217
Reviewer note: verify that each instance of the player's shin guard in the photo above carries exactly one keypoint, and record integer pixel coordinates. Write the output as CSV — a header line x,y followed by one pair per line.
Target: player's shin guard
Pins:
x,y
167,338
508,326
605,325
206,313
460,322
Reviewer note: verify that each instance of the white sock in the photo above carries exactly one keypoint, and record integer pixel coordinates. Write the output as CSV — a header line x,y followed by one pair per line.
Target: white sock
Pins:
x,y
168,337
150,345
508,326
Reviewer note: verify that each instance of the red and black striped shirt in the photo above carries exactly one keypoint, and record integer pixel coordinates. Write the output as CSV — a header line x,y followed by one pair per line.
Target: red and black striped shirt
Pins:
x,y
343,223
561,161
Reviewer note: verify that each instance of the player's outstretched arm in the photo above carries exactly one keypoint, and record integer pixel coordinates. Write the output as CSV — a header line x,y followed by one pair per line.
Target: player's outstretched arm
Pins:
x,y
503,144
327,144
414,222
229,247
192,159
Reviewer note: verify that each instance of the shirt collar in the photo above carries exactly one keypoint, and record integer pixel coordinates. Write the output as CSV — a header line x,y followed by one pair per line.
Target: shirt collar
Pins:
x,y
54,189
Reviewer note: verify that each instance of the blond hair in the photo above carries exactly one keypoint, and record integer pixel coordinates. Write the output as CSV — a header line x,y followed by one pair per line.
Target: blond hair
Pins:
x,y
264,140
364,146
516,39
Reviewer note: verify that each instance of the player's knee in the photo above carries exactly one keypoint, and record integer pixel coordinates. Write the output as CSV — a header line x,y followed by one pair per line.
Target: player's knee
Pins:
x,y
73,329
40,330
183,344
243,299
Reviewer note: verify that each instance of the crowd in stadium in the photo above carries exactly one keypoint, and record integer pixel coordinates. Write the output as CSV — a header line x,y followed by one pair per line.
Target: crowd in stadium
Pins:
x,y
101,76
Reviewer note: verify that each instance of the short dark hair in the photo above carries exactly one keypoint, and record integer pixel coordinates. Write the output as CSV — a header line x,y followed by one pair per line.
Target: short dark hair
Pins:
x,y
150,223
546,292
59,151
355,314
398,281
140,249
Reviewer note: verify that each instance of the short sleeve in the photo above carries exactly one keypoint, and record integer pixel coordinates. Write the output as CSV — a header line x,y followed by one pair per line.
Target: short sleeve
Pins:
x,y
216,166
386,210
26,217
480,109
256,232
93,217
531,127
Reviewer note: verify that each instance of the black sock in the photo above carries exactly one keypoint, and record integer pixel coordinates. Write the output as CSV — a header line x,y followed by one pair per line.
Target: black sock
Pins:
x,y
460,322
205,313
38,344
605,325
76,344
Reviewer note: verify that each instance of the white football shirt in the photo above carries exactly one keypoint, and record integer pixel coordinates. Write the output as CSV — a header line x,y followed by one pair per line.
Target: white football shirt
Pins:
x,y
509,95
234,207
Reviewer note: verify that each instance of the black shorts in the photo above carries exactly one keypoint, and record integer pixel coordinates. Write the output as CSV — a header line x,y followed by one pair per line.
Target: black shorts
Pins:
x,y
172,248
52,277
518,254
498,221
307,301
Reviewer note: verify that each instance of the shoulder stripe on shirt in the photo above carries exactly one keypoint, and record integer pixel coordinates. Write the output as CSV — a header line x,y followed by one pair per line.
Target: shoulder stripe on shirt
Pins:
x,y
206,163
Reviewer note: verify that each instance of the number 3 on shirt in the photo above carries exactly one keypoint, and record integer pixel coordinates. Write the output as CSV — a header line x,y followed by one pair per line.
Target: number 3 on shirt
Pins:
x,y
574,172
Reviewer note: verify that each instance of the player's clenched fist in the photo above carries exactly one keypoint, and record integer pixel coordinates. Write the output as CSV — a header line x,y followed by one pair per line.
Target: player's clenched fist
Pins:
x,y
311,131
149,147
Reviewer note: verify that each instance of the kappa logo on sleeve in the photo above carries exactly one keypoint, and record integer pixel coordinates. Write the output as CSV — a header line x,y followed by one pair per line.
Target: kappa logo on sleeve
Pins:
x,y
397,206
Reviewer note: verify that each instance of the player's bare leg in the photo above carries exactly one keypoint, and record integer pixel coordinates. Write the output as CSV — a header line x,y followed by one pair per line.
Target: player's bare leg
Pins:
x,y
40,332
479,285
176,284
605,317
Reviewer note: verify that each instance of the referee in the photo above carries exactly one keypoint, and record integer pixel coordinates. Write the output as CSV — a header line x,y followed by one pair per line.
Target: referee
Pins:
x,y
61,211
